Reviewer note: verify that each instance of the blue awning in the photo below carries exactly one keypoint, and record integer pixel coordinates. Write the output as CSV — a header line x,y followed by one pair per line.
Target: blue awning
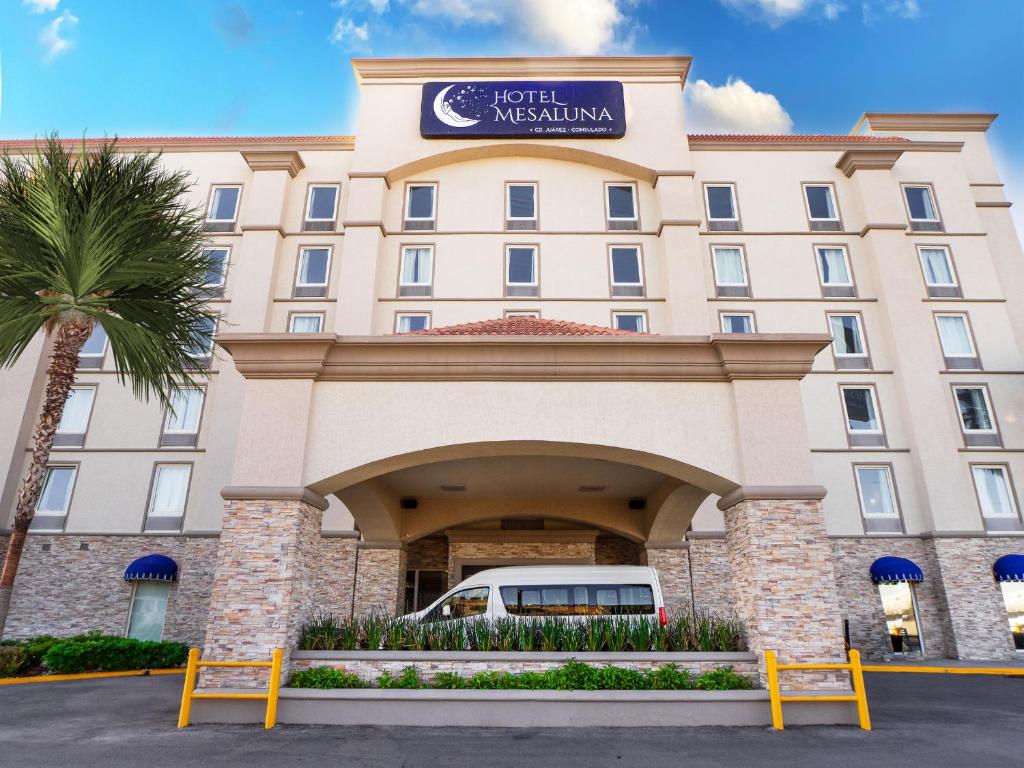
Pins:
x,y
1009,568
893,570
152,568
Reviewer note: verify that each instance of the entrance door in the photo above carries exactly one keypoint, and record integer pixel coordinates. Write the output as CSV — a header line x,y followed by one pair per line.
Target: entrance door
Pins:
x,y
900,607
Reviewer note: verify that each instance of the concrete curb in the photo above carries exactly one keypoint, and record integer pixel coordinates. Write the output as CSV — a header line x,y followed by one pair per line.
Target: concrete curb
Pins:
x,y
88,676
522,656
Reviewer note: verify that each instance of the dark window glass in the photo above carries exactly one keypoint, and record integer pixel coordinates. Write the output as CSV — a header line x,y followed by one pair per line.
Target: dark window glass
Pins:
x,y
620,202
578,600
973,409
720,204
521,266
421,202
633,323
225,203
313,266
96,342
461,605
218,257
819,201
736,324
919,201
520,201
860,409
321,202
625,266
204,343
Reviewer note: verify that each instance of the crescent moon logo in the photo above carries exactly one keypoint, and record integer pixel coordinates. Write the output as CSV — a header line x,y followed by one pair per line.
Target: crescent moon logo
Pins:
x,y
444,112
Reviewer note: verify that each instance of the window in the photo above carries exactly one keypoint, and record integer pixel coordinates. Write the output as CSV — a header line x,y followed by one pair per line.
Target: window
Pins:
x,y
899,604
55,499
168,496
627,270
417,271
848,346
202,348
534,313
423,587
730,271
181,423
461,605
321,208
878,499
863,424
630,321
407,322
313,272
620,200
420,206
223,210
821,207
520,206
834,271
924,216
218,262
148,609
723,213
939,276
74,422
312,322
1013,599
957,344
976,420
995,497
521,271
578,600
737,322
91,355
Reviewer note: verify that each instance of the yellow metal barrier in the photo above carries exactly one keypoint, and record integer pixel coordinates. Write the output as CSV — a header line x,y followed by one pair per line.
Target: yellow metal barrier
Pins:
x,y
270,695
856,679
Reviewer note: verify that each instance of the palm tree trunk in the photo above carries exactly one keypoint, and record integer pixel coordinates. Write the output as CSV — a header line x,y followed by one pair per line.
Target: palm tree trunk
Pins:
x,y
72,333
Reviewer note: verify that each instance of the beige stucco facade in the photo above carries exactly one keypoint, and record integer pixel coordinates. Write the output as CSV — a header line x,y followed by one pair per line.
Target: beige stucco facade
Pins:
x,y
687,446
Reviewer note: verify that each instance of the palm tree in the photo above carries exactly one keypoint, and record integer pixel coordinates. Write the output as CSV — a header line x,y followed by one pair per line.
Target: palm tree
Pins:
x,y
95,236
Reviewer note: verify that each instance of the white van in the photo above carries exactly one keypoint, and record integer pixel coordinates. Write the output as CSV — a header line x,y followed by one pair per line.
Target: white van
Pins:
x,y
537,591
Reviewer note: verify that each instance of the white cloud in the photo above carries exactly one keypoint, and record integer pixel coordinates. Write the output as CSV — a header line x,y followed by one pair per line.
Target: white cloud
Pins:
x,y
41,6
377,6
348,34
51,39
462,11
776,12
734,108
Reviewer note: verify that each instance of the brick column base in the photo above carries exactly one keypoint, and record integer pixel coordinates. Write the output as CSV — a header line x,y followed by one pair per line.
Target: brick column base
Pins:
x,y
673,567
380,579
784,586
263,584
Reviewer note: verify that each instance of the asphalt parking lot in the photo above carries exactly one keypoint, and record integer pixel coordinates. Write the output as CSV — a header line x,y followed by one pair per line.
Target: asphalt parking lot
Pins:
x,y
920,720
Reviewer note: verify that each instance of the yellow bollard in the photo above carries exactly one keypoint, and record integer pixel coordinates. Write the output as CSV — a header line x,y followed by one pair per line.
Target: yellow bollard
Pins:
x,y
772,673
857,678
273,688
190,685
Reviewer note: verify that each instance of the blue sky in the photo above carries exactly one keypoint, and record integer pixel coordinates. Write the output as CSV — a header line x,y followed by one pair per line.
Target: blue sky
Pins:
x,y
200,67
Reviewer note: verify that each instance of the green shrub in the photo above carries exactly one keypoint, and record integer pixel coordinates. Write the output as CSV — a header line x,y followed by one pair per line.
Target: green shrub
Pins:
x,y
408,679
85,653
448,680
326,677
12,660
320,633
723,679
669,678
35,649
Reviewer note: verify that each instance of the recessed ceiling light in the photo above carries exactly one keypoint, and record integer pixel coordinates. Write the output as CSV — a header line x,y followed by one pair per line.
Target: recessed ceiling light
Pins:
x,y
453,487
592,488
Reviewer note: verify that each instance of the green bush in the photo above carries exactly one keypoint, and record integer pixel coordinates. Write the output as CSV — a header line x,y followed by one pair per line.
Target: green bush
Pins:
x,y
86,653
12,660
723,679
36,648
408,679
326,677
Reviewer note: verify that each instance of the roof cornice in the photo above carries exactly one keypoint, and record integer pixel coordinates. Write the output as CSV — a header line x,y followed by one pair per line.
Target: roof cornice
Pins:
x,y
493,67
926,121
867,159
274,161
196,144
711,144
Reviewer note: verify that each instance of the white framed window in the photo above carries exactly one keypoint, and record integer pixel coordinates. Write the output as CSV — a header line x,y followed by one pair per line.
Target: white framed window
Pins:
x,y
626,269
305,322
921,208
862,417
521,205
55,498
407,322
955,338
95,347
977,419
722,210
996,497
521,270
222,212
313,271
822,211
848,345
420,206
630,321
877,494
74,421
218,258
168,497
531,313
730,268
416,272
202,350
620,206
737,322
834,273
321,207
937,267
148,610
181,422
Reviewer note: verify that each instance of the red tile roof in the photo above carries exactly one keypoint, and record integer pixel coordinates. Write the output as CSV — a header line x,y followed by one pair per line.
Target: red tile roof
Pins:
x,y
809,138
523,326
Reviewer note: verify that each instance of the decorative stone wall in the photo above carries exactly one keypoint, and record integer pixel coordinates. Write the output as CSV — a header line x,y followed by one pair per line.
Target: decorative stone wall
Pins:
x,y
264,585
710,576
784,585
380,580
468,551
427,554
615,550
73,583
333,589
673,567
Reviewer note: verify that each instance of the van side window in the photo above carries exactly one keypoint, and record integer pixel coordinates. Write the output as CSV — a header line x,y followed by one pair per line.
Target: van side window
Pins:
x,y
578,600
461,605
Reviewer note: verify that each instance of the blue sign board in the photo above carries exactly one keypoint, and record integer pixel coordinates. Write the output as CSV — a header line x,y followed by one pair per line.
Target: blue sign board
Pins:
x,y
580,109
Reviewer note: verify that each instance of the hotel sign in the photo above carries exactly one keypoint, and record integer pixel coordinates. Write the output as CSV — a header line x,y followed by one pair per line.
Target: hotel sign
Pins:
x,y
559,109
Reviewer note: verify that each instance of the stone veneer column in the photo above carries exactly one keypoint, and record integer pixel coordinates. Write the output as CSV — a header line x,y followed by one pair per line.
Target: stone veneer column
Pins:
x,y
380,578
783,583
265,577
672,562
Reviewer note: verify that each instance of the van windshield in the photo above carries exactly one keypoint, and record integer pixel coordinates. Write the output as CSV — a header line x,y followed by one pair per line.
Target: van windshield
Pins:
x,y
578,600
